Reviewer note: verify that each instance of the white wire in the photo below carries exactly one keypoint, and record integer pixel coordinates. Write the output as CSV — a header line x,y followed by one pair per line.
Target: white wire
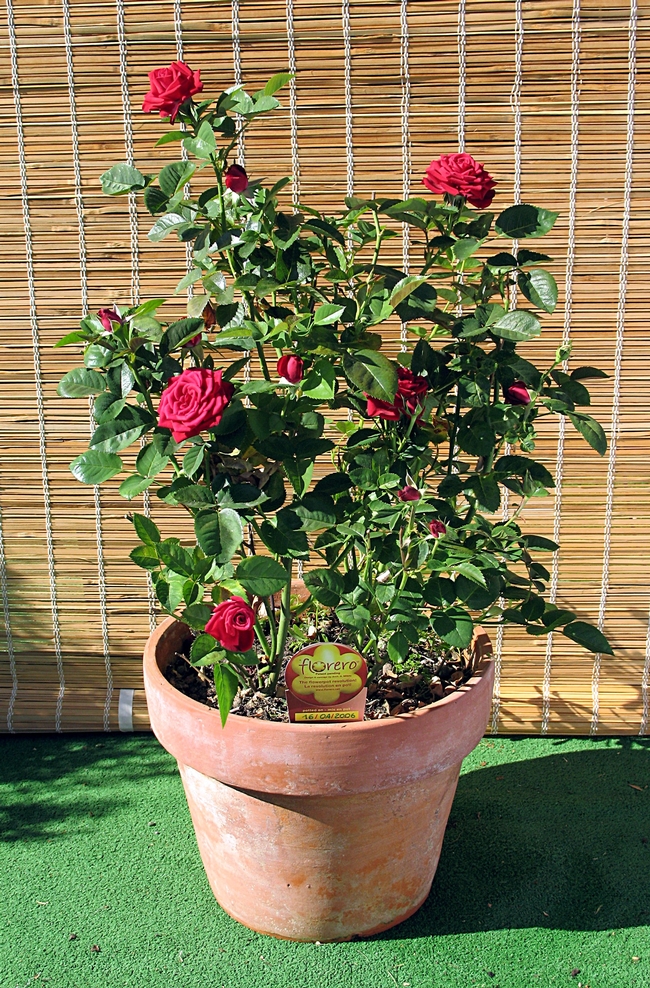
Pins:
x,y
618,356
293,108
38,376
349,120
462,73
406,146
83,276
566,336
187,190
4,591
133,223
236,57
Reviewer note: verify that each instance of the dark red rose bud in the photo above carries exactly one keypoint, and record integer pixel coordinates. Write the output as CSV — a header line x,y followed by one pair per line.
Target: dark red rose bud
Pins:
x,y
170,87
517,394
107,317
460,175
236,178
409,494
290,367
209,316
437,529
410,398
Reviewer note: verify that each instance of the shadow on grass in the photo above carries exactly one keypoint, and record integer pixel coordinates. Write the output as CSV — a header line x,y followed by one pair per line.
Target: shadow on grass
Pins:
x,y
559,842
49,785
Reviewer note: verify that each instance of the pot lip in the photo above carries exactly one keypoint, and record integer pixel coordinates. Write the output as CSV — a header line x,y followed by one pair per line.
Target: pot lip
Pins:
x,y
234,722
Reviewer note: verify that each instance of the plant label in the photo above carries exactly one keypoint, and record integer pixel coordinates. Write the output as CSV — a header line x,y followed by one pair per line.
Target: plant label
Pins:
x,y
326,682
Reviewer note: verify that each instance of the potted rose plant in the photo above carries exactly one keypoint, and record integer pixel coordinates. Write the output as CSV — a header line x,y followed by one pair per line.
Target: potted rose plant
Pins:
x,y
329,830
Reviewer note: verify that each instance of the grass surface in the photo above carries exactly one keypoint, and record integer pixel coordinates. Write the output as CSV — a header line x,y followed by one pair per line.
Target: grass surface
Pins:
x,y
545,869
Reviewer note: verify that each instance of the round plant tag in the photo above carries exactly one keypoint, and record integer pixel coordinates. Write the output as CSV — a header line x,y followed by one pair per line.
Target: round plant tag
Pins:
x,y
325,681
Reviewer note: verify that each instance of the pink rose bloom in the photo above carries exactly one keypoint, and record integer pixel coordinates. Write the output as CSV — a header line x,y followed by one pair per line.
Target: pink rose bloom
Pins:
x,y
517,394
460,175
236,179
233,625
411,391
290,368
409,494
437,529
170,87
107,317
193,401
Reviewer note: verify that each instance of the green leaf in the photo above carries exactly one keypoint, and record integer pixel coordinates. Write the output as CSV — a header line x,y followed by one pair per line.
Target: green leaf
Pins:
x,y
219,533
145,556
81,382
197,616
120,432
146,530
581,373
470,571
226,685
149,462
204,144
193,459
276,82
326,585
94,467
264,103
135,485
176,558
328,313
353,616
261,576
172,135
120,179
316,511
486,491
333,483
404,287
524,220
155,199
398,647
464,248
454,626
195,496
503,261
517,325
164,225
77,336
588,636
203,646
320,382
180,332
591,430
372,373
538,542
174,176
540,288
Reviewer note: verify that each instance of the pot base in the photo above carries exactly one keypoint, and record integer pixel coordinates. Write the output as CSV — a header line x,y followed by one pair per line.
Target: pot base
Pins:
x,y
320,868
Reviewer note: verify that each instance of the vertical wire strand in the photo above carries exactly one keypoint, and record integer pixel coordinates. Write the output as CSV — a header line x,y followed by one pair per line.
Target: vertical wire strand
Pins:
x,y
133,226
566,337
406,146
4,592
349,119
462,73
38,376
645,687
83,277
618,356
293,107
237,70
515,103
178,35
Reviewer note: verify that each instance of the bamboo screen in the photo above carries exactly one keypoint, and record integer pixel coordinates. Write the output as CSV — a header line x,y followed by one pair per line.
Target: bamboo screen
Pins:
x,y
554,98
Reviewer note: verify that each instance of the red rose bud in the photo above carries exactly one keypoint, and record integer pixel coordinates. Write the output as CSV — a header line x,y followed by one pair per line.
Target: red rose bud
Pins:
x,y
236,179
517,394
411,391
209,316
409,494
233,625
195,340
170,87
437,529
193,401
107,317
460,175
290,368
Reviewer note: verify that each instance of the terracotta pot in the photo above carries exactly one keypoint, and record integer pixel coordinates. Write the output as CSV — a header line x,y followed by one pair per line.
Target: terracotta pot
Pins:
x,y
317,831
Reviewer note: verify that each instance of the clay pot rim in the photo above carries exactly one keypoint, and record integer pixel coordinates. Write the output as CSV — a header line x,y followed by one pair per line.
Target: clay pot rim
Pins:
x,y
480,641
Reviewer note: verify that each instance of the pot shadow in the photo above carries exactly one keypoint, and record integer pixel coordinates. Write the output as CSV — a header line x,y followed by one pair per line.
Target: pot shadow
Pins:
x,y
52,784
559,842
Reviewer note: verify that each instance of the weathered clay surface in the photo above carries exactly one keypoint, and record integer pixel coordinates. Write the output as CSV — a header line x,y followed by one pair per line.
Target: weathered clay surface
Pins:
x,y
313,831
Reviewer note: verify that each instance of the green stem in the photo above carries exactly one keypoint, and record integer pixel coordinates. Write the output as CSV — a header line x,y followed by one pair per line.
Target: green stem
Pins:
x,y
283,630
263,363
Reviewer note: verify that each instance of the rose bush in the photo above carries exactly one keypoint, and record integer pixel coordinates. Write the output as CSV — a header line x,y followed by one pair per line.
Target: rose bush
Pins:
x,y
401,524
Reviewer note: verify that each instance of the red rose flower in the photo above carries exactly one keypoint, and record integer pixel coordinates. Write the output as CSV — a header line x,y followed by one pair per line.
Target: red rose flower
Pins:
x,y
517,394
290,368
233,624
236,178
411,389
170,87
409,493
460,175
193,401
437,529
107,317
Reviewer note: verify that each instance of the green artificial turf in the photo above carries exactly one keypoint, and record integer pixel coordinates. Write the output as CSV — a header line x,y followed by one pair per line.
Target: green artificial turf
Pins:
x,y
545,869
